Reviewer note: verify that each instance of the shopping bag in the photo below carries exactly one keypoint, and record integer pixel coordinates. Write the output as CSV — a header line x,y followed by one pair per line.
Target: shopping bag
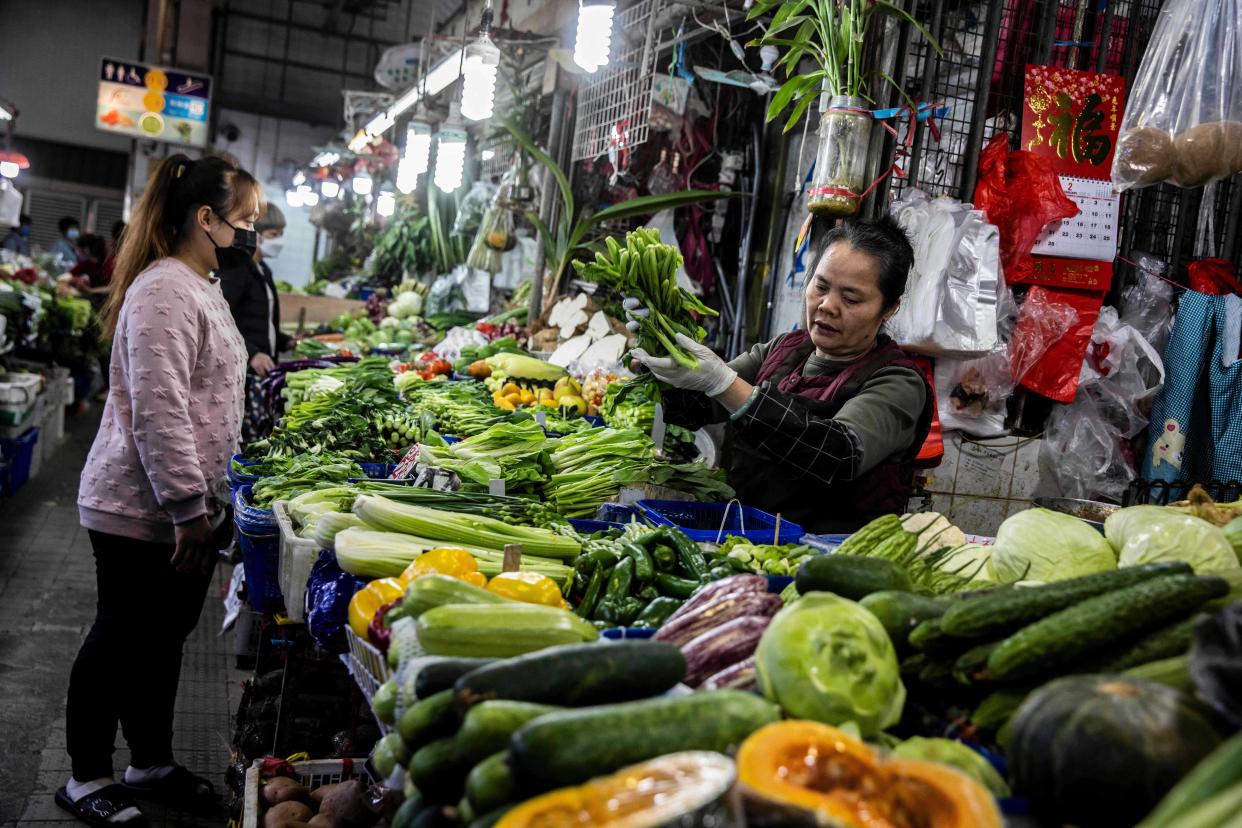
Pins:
x,y
1054,374
1183,122
949,305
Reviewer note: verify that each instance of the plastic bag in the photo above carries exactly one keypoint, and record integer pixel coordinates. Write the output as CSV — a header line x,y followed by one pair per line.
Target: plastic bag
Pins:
x,y
1041,322
1021,194
1147,304
950,302
1183,122
1054,374
328,591
972,394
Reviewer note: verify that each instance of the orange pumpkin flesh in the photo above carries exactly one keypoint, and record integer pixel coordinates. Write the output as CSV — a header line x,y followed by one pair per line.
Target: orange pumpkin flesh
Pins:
x,y
808,773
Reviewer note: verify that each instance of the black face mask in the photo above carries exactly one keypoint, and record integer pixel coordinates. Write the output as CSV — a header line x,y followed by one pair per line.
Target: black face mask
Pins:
x,y
240,253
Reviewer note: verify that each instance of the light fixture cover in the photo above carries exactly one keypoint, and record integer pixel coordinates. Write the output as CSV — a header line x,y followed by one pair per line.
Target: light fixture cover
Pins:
x,y
450,157
594,38
479,79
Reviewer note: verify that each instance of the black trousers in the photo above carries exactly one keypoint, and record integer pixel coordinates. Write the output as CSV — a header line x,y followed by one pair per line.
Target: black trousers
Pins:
x,y
130,663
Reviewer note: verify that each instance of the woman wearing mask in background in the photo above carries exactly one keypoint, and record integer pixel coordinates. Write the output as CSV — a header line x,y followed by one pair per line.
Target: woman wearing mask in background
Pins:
x,y
148,492
65,249
252,297
824,422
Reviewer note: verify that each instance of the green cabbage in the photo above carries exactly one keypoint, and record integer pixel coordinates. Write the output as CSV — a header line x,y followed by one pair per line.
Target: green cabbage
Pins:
x,y
1042,545
826,658
1147,534
1233,534
957,756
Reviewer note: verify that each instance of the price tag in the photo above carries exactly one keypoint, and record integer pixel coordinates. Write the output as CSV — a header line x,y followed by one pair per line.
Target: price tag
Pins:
x,y
496,486
541,419
513,558
657,428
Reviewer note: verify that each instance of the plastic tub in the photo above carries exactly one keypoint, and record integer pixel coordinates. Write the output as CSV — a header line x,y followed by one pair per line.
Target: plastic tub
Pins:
x,y
296,559
258,538
710,522
19,454
18,394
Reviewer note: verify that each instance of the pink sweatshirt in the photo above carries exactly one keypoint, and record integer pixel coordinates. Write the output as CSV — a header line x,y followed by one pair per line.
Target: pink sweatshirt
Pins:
x,y
174,409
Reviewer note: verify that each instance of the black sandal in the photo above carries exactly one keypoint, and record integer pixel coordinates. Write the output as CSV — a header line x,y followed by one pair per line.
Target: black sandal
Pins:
x,y
179,788
98,807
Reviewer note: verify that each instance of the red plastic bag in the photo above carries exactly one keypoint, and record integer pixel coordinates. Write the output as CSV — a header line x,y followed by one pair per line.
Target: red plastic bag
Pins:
x,y
1215,277
1047,353
1020,194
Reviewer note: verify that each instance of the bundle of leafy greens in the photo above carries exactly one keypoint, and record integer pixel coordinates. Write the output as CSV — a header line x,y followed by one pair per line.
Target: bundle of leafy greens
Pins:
x,y
514,452
461,409
304,472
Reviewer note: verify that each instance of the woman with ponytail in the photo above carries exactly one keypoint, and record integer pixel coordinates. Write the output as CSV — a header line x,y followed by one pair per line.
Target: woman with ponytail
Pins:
x,y
148,496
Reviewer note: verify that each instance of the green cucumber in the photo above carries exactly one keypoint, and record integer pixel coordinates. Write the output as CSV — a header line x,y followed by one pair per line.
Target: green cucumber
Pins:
x,y
499,630
428,719
1096,623
851,576
1220,770
575,745
443,673
491,818
1172,672
577,675
901,612
488,726
490,785
971,666
998,708
998,614
929,637
1173,640
437,773
384,702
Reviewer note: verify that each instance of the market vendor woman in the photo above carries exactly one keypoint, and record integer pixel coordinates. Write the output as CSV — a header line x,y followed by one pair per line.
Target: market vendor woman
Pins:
x,y
824,422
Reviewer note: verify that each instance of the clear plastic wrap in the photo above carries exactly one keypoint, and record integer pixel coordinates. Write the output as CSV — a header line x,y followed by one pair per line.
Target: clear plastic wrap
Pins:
x,y
949,307
1183,122
972,394
1147,304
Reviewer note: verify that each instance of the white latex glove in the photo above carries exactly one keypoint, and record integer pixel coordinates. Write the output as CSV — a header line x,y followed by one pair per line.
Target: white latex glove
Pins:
x,y
634,311
713,376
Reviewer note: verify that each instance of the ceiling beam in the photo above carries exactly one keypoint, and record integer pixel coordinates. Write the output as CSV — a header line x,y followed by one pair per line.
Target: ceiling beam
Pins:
x,y
306,27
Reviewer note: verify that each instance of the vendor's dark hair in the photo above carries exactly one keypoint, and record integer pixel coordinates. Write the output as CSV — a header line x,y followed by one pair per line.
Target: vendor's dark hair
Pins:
x,y
65,223
883,239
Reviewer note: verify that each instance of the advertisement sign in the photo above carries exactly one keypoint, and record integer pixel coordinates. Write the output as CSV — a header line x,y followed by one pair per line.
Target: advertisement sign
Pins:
x,y
141,101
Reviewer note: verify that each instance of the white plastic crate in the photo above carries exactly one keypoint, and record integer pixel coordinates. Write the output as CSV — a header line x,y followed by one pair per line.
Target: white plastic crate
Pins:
x,y
297,559
18,395
312,774
371,664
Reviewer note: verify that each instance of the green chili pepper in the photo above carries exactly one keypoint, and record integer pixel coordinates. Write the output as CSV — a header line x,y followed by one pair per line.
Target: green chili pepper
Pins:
x,y
587,608
657,612
674,586
621,580
689,554
643,567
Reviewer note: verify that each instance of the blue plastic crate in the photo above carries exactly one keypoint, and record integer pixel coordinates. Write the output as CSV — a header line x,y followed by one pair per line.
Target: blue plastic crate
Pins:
x,y
18,453
252,519
616,513
239,479
623,633
590,527
710,522
258,539
778,583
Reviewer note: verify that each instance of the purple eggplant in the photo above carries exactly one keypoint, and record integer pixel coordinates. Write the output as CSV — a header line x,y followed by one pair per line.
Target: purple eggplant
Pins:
x,y
723,647
724,609
740,676
718,589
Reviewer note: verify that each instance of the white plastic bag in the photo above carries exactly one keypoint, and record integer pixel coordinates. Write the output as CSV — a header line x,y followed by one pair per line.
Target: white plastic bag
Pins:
x,y
972,394
949,307
1183,122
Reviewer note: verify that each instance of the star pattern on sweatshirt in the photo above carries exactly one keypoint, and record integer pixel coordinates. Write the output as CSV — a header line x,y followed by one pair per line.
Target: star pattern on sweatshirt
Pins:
x,y
159,442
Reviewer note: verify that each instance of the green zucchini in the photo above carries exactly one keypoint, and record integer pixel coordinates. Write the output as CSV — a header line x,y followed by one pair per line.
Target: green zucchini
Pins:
x,y
437,772
488,726
431,591
442,674
1096,623
1220,770
575,745
1172,672
901,612
577,675
499,630
999,614
428,719
1173,640
489,785
851,576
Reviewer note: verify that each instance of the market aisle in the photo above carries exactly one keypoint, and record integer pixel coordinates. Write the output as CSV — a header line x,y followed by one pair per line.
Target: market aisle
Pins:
x,y
47,598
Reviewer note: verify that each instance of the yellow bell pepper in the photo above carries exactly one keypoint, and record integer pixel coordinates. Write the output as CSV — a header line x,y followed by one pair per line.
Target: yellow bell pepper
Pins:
x,y
528,587
367,601
445,560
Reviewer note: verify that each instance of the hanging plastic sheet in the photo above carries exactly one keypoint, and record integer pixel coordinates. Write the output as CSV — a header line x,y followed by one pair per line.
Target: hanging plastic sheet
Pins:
x,y
1147,303
1183,121
949,307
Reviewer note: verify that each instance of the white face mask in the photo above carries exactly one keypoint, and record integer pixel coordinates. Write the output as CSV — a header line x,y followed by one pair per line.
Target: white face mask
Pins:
x,y
270,248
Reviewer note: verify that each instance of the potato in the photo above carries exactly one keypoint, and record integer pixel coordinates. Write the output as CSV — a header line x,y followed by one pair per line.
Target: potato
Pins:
x,y
345,805
321,821
282,789
318,794
284,814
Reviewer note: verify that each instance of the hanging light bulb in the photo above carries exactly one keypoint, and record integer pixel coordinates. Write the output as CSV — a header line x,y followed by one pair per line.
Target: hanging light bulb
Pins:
x,y
451,152
407,179
385,203
309,197
294,198
418,146
9,169
479,78
330,188
594,33
362,183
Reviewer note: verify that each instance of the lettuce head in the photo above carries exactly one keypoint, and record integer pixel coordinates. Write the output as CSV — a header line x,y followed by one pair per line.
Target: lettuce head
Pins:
x,y
1043,545
1147,534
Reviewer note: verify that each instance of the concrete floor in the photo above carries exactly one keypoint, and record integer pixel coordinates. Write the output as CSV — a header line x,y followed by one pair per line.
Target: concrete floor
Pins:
x,y
47,603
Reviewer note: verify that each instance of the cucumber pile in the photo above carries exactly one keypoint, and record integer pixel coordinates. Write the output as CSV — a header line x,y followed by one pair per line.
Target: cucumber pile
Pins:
x,y
478,736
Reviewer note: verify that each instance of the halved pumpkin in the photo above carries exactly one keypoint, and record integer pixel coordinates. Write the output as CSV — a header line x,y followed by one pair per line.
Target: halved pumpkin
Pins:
x,y
803,773
688,789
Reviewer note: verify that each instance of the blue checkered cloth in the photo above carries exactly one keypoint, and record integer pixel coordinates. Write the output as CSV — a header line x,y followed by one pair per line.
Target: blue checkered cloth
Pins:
x,y
1196,421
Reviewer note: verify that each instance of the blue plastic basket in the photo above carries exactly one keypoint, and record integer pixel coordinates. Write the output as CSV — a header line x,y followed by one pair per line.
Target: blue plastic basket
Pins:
x,y
703,522
258,538
616,513
777,583
239,479
590,527
623,633
18,453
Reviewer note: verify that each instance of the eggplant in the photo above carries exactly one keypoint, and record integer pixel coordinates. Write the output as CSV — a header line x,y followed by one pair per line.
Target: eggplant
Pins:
x,y
723,647
718,589
685,629
740,676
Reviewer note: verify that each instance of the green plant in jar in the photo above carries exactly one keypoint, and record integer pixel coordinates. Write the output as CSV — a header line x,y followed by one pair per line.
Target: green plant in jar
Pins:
x,y
833,34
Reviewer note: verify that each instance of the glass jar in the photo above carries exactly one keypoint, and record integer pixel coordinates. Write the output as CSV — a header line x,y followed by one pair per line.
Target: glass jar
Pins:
x,y
841,160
